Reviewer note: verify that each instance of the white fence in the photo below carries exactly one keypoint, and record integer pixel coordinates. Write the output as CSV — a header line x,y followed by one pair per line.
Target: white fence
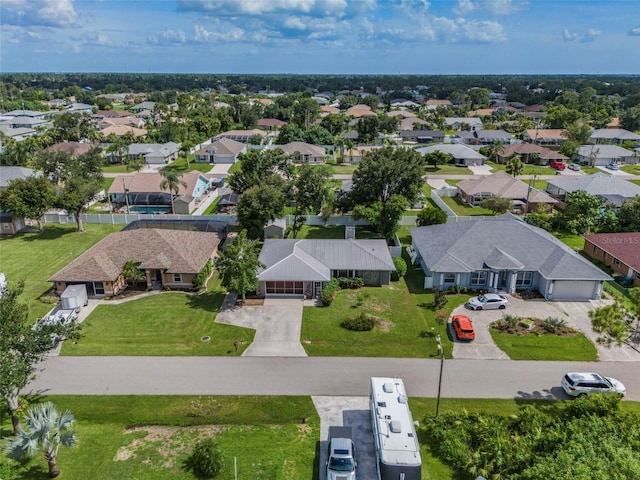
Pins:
x,y
440,203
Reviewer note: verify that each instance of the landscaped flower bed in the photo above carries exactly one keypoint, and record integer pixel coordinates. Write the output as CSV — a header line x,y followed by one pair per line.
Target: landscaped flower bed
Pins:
x,y
515,325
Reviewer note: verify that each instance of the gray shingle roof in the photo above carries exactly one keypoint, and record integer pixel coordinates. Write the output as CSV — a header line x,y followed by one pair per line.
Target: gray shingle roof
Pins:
x,y
455,149
9,173
504,242
314,259
604,151
597,184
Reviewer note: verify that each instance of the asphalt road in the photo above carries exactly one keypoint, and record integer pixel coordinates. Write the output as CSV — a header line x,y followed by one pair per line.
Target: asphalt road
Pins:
x,y
314,376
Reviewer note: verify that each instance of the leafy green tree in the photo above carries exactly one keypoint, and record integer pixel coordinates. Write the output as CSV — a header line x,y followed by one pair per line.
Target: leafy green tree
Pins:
x,y
579,133
317,135
431,216
582,212
171,181
21,347
629,215
261,204
569,148
131,271
310,190
238,265
30,198
305,112
437,157
534,158
257,166
383,217
630,119
368,129
290,133
388,124
497,205
46,430
79,178
385,172
335,123
560,116
514,165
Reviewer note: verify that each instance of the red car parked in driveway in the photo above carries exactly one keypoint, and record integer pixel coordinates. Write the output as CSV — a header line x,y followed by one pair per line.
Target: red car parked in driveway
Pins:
x,y
463,327
557,165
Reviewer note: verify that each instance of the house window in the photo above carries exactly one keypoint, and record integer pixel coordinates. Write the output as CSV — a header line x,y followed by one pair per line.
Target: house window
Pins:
x,y
449,278
595,250
616,261
524,279
346,273
478,278
177,278
5,226
638,275
605,255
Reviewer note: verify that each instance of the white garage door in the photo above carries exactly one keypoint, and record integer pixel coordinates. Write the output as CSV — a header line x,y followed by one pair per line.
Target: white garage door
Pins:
x,y
574,290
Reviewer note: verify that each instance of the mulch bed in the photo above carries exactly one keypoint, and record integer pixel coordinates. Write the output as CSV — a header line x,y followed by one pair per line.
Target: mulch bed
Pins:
x,y
539,327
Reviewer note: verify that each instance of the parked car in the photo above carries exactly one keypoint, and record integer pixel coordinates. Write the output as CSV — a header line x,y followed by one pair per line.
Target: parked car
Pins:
x,y
579,384
575,167
488,301
613,166
341,464
557,165
463,326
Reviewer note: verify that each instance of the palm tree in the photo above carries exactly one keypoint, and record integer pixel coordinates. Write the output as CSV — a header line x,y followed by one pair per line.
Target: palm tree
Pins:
x,y
514,165
534,158
45,430
495,149
172,181
131,271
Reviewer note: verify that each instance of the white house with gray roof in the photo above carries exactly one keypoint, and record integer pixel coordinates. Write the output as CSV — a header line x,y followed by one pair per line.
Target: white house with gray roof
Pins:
x,y
613,189
613,135
606,154
462,155
303,267
504,254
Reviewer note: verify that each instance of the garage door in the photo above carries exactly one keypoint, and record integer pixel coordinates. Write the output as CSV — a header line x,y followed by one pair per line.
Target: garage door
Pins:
x,y
285,288
567,290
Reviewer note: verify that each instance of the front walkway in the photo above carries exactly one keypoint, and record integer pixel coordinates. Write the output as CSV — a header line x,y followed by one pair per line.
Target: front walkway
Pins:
x,y
278,324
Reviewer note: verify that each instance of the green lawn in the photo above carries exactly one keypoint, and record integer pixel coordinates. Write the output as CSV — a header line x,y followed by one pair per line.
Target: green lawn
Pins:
x,y
574,241
171,323
116,168
34,257
632,169
236,167
637,182
334,232
211,210
528,169
403,311
448,170
107,184
463,210
546,347
181,164
149,437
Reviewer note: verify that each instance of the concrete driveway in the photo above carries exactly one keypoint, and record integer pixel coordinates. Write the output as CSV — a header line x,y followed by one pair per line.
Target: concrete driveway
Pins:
x,y
277,323
349,412
576,314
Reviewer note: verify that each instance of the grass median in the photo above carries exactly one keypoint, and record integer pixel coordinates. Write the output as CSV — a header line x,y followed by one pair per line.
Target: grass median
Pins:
x,y
576,348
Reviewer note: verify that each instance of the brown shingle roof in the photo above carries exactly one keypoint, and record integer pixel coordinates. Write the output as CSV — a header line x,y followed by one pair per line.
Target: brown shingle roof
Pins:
x,y
176,251
74,148
150,182
623,246
501,184
528,149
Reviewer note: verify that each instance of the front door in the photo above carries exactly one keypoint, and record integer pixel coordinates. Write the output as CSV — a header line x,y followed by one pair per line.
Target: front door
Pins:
x,y
502,279
158,276
98,289
317,289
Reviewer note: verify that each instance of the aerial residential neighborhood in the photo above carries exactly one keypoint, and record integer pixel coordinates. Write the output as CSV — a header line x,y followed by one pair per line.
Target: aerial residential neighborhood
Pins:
x,y
405,259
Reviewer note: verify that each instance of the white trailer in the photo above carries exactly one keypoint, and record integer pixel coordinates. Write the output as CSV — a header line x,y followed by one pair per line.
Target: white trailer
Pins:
x,y
74,297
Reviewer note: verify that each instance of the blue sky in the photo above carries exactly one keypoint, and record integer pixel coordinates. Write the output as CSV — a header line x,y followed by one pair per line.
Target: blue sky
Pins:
x,y
321,36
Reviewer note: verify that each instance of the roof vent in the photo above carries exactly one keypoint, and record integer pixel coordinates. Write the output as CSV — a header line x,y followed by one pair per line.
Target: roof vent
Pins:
x,y
395,426
402,398
387,387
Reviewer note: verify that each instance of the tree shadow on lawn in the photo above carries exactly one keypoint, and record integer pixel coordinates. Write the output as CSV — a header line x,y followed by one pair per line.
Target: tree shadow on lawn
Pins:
x,y
208,301
49,233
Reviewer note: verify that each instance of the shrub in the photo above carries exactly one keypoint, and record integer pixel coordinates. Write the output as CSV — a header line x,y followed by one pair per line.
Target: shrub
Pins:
x,y
359,323
441,317
439,298
401,268
329,292
345,283
205,460
553,325
358,282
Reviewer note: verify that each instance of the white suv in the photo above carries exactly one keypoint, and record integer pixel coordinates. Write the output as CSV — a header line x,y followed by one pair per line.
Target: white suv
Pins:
x,y
579,384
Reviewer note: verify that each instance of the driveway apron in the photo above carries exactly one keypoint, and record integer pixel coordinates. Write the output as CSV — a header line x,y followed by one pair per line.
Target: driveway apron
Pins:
x,y
277,324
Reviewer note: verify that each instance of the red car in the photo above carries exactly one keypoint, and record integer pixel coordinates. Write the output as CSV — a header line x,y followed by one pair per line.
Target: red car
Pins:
x,y
557,165
463,327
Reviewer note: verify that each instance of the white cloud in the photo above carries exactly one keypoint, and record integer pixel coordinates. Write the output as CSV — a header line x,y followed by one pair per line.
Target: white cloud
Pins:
x,y
168,37
202,35
464,7
260,7
635,32
589,36
92,38
568,36
50,13
494,7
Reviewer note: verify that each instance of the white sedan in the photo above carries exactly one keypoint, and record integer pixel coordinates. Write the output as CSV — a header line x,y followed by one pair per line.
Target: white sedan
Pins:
x,y
488,301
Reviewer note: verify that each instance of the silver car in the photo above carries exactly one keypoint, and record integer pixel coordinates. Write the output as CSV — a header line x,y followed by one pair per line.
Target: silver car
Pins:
x,y
488,301
579,384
